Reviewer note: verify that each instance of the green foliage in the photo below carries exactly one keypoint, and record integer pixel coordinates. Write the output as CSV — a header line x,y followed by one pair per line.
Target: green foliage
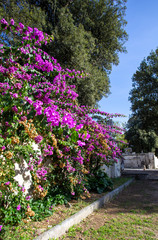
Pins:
x,y
9,202
142,127
99,182
42,207
141,139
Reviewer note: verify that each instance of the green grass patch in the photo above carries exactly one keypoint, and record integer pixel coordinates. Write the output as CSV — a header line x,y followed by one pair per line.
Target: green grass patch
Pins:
x,y
119,181
128,227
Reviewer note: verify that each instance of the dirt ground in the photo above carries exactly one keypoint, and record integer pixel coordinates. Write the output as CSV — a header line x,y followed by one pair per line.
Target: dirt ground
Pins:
x,y
140,197
61,213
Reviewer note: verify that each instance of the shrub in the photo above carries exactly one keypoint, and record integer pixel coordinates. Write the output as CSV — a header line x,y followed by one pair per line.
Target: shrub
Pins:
x,y
37,106
99,182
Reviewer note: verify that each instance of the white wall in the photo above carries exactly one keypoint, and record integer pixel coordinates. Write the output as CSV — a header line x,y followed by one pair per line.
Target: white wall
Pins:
x,y
138,160
113,171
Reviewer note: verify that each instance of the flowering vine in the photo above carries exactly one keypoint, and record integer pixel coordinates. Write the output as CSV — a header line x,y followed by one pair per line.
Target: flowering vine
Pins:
x,y
37,106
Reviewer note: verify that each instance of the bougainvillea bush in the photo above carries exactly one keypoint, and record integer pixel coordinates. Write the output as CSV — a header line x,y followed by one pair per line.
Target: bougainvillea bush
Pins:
x,y
37,106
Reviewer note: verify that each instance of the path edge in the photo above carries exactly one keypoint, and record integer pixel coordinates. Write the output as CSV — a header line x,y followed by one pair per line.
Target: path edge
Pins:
x,y
60,229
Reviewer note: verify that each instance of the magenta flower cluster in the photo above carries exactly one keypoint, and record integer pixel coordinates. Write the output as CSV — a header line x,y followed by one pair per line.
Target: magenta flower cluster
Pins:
x,y
42,108
18,207
38,139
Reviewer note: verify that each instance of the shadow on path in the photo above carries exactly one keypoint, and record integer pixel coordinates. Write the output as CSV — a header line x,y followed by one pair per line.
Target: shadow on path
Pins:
x,y
142,195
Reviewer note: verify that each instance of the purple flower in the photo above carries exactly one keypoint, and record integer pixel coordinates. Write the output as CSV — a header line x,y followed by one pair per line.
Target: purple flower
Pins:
x,y
7,124
30,30
3,148
73,193
28,198
38,107
39,186
51,208
15,95
38,139
52,116
31,168
7,183
12,21
21,25
67,119
78,127
18,85
15,109
41,172
23,118
80,143
1,227
23,189
29,100
3,21
18,207
86,137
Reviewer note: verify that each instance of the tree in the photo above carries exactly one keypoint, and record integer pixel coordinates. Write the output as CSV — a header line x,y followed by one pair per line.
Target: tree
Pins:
x,y
143,126
88,35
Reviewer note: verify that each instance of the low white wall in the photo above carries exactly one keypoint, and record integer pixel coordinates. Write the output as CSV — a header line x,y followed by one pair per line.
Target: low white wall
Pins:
x,y
24,178
113,171
139,160
155,162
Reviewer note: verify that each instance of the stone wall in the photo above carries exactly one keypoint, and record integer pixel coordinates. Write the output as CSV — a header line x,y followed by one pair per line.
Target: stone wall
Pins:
x,y
113,171
23,176
140,160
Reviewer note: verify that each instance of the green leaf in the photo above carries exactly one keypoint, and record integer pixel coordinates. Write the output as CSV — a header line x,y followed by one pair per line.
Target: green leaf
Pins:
x,y
1,140
74,136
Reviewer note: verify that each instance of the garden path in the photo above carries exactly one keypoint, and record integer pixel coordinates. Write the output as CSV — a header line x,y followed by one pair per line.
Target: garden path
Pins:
x,y
133,214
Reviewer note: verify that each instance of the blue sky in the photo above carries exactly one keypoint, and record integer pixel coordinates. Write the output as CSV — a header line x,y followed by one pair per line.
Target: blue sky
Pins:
x,y
142,28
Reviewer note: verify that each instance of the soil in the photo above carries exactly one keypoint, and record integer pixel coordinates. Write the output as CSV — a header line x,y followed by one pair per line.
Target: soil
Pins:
x,y
142,195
